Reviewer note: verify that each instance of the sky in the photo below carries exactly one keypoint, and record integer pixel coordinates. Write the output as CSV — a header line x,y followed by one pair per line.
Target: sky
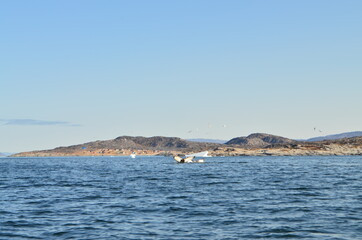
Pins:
x,y
78,71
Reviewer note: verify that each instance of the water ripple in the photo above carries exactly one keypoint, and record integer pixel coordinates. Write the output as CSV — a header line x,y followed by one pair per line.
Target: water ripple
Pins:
x,y
155,198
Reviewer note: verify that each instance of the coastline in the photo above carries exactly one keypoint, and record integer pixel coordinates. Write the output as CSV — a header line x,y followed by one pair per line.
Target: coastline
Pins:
x,y
296,150
253,145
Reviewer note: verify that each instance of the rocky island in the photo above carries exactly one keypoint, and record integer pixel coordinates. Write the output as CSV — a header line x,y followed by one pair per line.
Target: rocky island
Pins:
x,y
257,144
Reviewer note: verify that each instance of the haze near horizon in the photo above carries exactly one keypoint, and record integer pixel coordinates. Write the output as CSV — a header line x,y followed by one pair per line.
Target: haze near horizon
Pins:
x,y
78,71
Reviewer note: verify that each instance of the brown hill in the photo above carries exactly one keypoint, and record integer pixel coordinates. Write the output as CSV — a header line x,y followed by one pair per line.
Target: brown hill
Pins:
x,y
259,140
125,145
144,143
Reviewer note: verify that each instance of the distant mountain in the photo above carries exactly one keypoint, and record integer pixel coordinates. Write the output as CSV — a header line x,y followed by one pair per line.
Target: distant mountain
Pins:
x,y
259,140
336,136
207,140
5,154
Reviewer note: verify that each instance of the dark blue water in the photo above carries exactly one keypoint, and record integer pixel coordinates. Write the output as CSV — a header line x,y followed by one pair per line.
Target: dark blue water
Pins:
x,y
156,198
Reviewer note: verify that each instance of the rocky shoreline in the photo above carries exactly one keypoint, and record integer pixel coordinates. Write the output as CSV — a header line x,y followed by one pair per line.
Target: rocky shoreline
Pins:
x,y
253,145
226,151
333,149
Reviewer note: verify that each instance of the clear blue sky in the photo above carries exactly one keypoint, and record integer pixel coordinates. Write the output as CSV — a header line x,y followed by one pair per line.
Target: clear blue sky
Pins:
x,y
78,71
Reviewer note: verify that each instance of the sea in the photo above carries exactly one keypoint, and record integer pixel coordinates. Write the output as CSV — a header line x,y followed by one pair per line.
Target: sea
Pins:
x,y
314,197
